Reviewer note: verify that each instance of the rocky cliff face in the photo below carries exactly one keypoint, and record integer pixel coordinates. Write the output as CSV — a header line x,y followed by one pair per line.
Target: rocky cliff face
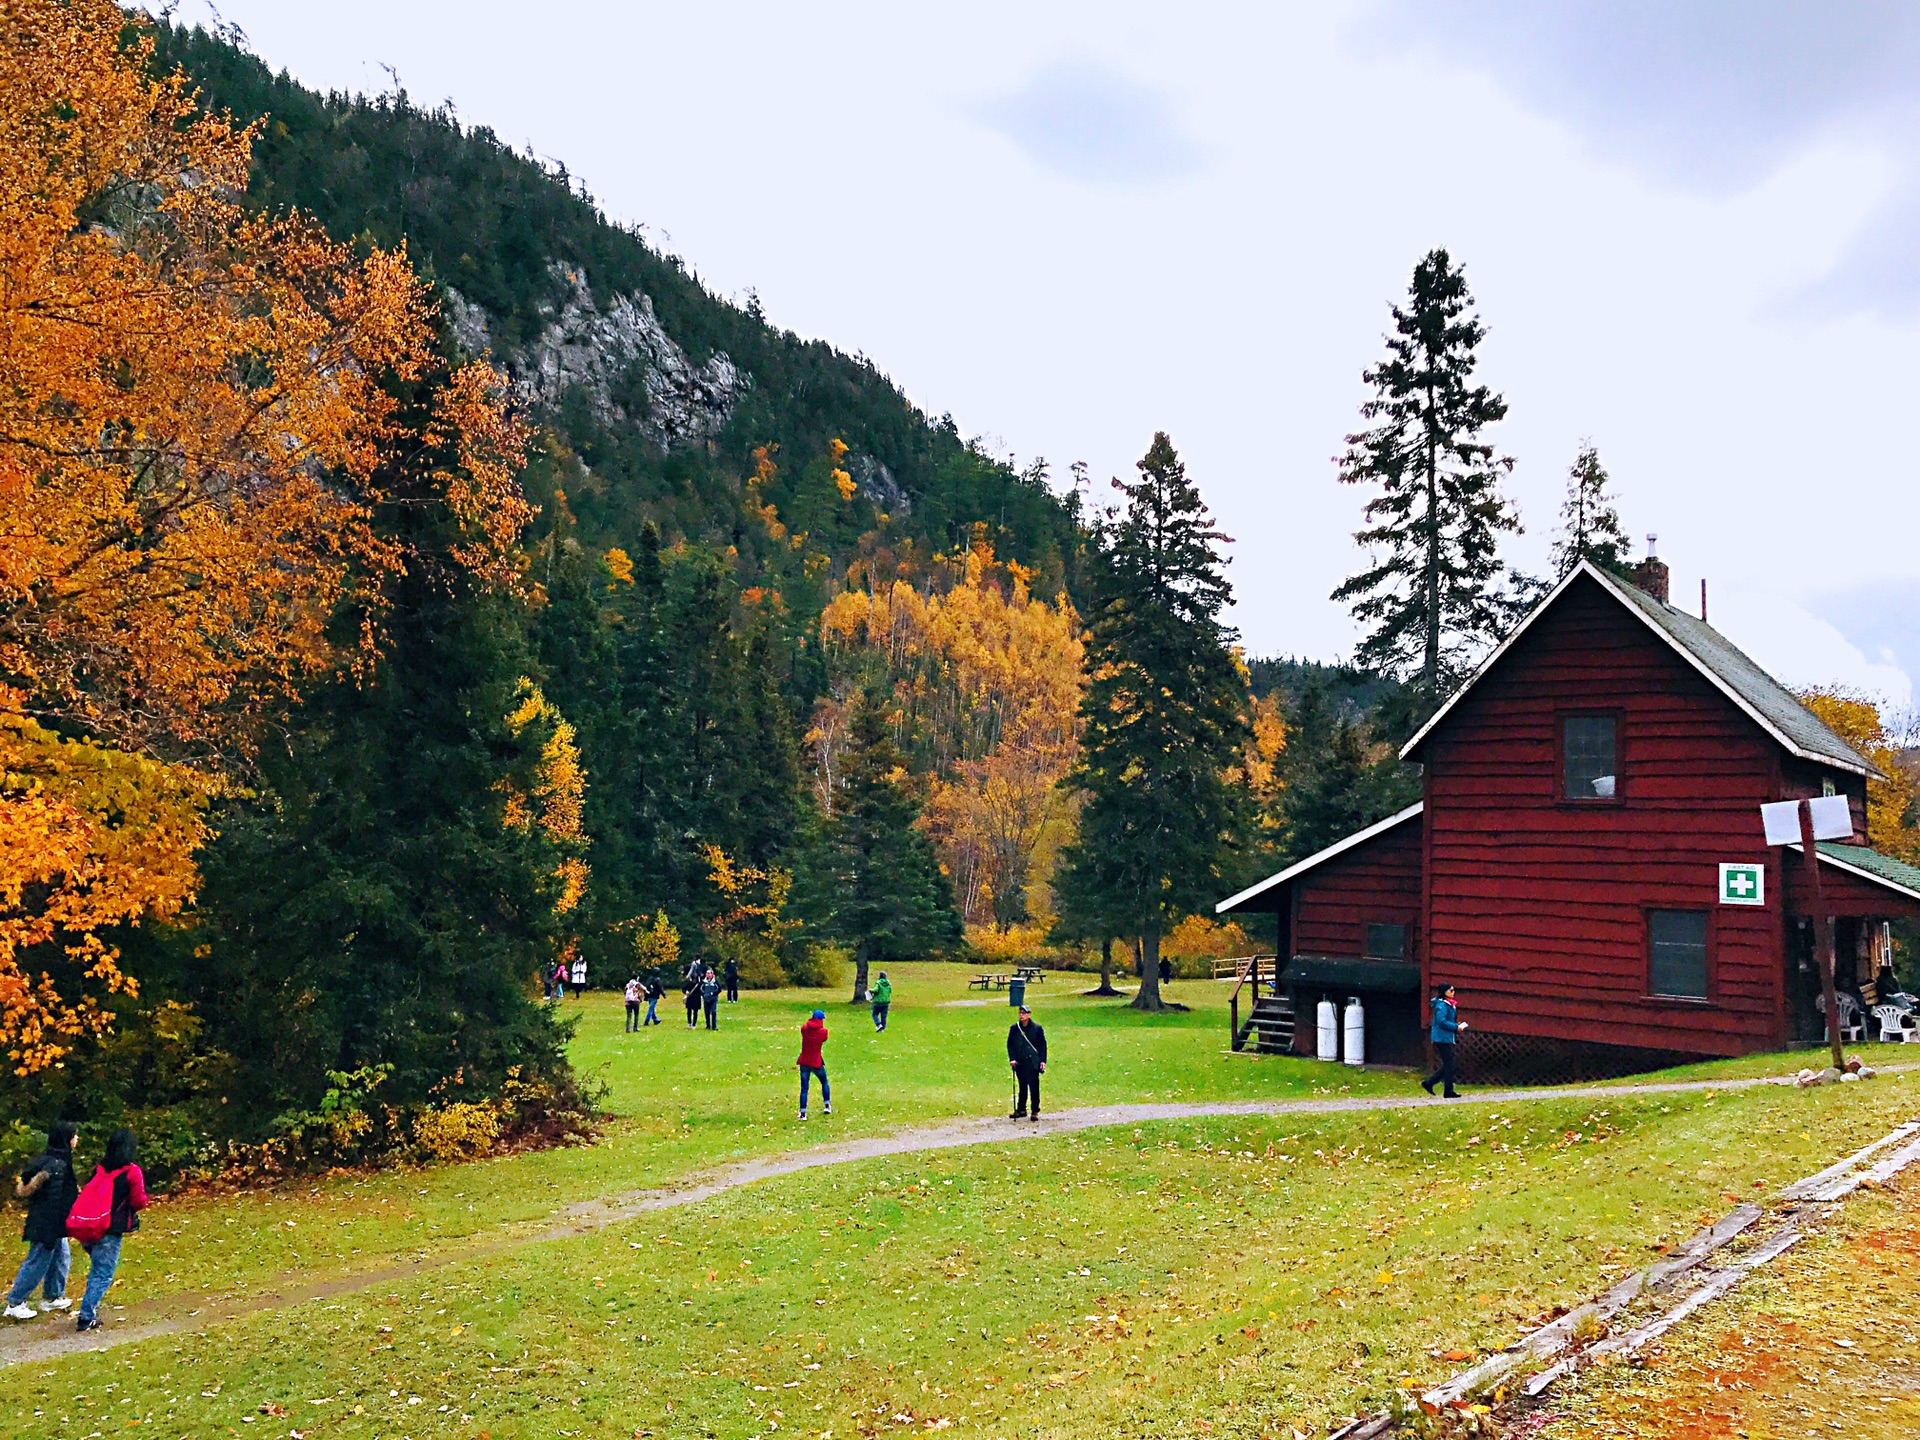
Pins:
x,y
617,356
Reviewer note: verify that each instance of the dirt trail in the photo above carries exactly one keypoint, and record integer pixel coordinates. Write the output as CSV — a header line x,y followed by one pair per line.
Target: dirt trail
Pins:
x,y
170,1315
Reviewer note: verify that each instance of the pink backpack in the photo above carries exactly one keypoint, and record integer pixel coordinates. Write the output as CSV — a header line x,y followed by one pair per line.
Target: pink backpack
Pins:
x,y
92,1213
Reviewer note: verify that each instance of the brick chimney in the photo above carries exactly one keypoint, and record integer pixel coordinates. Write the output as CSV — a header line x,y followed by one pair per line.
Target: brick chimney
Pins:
x,y
1651,573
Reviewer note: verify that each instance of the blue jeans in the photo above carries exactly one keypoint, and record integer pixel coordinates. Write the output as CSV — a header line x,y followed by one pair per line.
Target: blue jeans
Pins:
x,y
103,1256
879,1017
43,1262
807,1072
652,1019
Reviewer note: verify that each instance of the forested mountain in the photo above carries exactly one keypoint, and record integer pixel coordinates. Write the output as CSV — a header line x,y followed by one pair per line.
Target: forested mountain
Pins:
x,y
662,391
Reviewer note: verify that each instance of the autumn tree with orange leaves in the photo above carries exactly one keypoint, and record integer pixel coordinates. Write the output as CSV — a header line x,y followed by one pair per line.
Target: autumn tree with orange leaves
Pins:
x,y
197,403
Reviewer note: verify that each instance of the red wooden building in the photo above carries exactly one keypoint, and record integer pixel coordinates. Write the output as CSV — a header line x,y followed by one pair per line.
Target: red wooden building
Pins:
x,y
1583,793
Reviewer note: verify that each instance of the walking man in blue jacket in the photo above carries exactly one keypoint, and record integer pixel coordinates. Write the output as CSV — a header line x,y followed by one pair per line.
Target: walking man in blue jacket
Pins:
x,y
1446,1027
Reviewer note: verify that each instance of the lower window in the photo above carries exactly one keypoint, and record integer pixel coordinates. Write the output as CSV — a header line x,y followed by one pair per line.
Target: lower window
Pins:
x,y
1678,964
1386,942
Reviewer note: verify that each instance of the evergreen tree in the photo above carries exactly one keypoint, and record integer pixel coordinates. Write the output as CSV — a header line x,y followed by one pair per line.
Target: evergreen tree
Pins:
x,y
1165,716
878,878
1430,595
1339,778
372,905
1590,526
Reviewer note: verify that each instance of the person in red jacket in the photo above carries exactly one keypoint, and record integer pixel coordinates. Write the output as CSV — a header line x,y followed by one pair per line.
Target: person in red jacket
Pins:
x,y
813,1035
129,1199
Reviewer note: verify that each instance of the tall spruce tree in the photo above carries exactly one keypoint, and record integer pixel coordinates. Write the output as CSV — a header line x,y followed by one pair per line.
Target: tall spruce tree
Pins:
x,y
1165,713
1430,595
1590,526
370,904
877,877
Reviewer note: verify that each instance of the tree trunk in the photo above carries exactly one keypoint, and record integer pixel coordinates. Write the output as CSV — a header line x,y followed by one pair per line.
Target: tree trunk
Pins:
x,y
859,977
1137,970
1106,968
1430,661
1149,996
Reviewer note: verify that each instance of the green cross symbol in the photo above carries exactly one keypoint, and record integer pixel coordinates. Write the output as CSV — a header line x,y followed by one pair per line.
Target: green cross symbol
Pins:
x,y
1740,883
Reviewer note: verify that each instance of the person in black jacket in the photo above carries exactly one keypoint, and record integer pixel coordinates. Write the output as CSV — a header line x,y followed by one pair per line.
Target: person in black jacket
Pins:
x,y
49,1188
1027,1057
730,972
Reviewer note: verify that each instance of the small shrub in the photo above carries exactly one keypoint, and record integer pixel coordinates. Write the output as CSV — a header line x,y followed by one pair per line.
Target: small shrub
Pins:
x,y
464,1130
819,967
760,967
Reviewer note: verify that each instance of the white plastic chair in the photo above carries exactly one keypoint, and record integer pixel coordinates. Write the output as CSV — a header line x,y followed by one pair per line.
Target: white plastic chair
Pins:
x,y
1896,1024
1853,1029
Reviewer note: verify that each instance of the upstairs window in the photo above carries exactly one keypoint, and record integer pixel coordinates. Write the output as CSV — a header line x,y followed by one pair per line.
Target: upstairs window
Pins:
x,y
1386,942
1588,768
1678,964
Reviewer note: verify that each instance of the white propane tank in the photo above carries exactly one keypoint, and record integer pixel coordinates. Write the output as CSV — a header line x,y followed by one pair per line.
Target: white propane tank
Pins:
x,y
1329,1031
1356,1036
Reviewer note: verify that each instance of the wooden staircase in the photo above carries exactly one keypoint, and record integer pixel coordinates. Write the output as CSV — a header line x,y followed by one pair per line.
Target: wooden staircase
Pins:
x,y
1269,1029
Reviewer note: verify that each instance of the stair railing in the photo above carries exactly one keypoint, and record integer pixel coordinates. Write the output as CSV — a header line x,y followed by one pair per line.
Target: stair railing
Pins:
x,y
1250,975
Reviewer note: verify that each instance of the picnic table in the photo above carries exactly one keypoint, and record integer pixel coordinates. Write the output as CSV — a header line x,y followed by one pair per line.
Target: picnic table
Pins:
x,y
1032,974
989,982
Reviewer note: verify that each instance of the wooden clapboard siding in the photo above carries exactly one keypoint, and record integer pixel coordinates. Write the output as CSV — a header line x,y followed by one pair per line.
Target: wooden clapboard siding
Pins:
x,y
1377,883
1536,906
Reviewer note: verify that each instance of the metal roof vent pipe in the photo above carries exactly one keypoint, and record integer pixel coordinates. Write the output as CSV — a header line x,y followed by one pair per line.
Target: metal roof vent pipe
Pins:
x,y
1651,573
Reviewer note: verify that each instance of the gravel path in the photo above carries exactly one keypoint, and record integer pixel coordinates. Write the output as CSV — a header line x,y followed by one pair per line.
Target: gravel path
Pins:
x,y
170,1315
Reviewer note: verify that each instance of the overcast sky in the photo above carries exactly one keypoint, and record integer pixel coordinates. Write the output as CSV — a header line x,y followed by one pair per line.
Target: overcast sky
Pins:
x,y
1690,229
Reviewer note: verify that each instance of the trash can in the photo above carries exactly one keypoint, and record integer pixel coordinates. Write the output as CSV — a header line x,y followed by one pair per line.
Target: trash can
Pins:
x,y
1016,993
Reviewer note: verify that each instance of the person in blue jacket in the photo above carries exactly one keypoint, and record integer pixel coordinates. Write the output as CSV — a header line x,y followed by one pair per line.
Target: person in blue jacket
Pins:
x,y
1447,1025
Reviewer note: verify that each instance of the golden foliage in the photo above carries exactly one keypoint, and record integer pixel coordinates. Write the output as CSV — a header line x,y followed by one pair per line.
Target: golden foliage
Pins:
x,y
191,402
1893,803
89,838
619,566
1198,938
559,791
658,946
990,681
193,417
460,1130
755,899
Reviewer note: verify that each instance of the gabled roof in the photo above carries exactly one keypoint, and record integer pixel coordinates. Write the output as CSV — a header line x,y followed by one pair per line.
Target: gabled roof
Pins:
x,y
1870,865
1725,666
1294,871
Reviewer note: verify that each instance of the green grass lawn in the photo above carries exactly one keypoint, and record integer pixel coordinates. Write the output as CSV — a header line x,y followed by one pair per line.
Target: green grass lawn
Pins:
x,y
685,1100
1248,1272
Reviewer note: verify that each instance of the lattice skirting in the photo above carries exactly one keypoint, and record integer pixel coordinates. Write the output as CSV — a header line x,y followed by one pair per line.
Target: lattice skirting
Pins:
x,y
1534,1060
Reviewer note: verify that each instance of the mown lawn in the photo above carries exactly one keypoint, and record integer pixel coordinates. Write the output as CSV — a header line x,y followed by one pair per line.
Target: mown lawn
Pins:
x,y
685,1100
1202,1277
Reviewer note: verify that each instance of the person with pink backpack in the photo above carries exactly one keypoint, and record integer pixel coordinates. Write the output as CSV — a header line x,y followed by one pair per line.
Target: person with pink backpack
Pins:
x,y
107,1211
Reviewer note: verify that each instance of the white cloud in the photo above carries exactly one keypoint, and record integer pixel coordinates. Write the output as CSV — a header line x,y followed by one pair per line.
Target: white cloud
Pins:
x,y
1083,121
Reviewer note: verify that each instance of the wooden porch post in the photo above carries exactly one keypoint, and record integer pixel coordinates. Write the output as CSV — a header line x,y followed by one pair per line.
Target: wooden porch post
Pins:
x,y
1822,933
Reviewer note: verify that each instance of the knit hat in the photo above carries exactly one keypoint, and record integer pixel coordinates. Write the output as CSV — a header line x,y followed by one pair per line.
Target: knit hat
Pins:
x,y
819,1014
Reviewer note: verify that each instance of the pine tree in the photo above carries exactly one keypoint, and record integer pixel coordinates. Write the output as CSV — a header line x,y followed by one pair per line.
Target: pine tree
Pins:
x,y
1339,777
1165,716
878,877
1430,595
1590,526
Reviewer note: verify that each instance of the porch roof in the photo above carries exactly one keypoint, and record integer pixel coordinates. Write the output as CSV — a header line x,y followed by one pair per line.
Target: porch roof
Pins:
x,y
1870,865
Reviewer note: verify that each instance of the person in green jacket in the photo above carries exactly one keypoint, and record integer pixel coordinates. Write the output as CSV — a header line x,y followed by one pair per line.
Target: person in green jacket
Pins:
x,y
882,996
